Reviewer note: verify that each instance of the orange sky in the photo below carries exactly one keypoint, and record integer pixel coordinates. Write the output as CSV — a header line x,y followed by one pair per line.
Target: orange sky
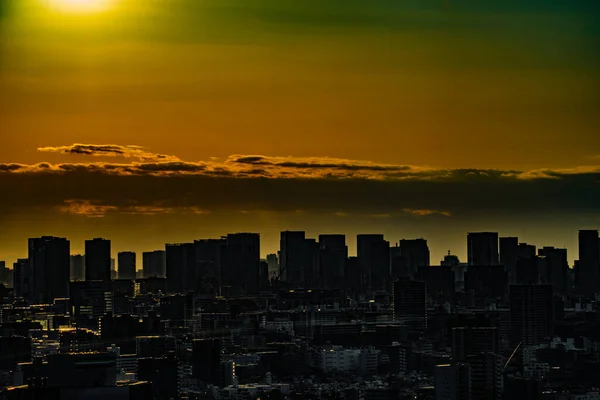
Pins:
x,y
443,85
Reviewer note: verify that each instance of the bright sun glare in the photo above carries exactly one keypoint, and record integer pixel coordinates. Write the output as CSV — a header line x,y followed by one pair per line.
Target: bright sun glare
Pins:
x,y
80,6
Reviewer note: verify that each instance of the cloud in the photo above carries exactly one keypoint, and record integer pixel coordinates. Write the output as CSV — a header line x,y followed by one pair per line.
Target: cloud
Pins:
x,y
96,209
258,182
109,150
424,213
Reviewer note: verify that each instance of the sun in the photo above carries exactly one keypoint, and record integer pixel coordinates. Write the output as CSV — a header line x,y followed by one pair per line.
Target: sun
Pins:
x,y
80,6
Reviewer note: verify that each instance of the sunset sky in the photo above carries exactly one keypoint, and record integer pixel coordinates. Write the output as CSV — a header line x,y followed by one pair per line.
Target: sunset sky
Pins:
x,y
153,121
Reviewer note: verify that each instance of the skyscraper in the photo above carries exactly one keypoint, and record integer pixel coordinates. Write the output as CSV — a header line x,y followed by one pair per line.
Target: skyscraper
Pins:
x,y
556,268
49,261
589,262
415,253
22,279
509,254
182,269
453,382
374,257
298,258
97,260
208,259
240,263
333,254
410,304
206,361
486,376
482,248
531,314
273,263
127,262
154,264
78,267
468,341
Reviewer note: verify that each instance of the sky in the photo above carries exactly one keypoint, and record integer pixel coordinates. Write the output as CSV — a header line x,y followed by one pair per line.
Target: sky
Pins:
x,y
153,121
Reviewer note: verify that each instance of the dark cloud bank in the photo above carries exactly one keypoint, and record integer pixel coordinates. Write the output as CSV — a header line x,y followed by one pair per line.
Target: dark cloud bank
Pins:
x,y
256,182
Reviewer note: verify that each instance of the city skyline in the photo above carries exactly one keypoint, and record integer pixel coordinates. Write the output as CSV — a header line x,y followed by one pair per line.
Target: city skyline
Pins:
x,y
350,242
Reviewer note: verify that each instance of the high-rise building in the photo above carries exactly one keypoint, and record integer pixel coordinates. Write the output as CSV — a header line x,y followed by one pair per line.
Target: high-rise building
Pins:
x,y
453,382
97,260
509,254
77,268
482,248
273,265
415,253
374,257
127,265
531,314
589,262
162,373
49,261
240,263
22,279
487,380
410,304
556,268
208,259
469,341
90,300
527,251
298,258
5,275
206,361
182,270
154,264
333,254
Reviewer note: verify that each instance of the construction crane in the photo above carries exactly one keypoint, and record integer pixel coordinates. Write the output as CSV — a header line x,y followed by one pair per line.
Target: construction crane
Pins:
x,y
512,355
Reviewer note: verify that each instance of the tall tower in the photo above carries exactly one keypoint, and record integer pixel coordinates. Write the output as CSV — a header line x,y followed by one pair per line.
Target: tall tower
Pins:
x,y
181,267
374,257
531,314
127,265
240,263
589,262
49,264
410,304
415,253
97,260
482,248
333,254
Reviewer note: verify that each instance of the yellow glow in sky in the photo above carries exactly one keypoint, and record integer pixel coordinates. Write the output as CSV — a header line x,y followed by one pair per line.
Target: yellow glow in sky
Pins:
x,y
80,6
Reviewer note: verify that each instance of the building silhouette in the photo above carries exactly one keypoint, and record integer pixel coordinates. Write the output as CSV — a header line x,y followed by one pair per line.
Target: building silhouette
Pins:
x,y
415,254
77,267
49,263
154,264
298,258
588,268
509,255
333,254
22,279
240,263
374,256
127,262
208,259
98,260
556,268
206,361
531,314
482,248
452,381
182,271
410,305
